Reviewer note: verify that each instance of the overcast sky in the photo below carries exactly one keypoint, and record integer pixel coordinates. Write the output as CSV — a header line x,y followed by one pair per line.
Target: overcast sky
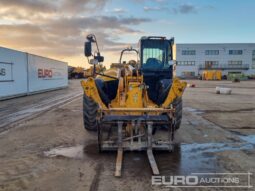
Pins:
x,y
57,29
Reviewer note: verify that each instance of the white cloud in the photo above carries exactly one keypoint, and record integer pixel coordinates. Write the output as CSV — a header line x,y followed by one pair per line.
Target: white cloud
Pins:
x,y
43,26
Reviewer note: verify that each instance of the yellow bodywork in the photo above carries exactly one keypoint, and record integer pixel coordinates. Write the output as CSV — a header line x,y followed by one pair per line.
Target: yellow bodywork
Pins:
x,y
176,91
90,89
132,94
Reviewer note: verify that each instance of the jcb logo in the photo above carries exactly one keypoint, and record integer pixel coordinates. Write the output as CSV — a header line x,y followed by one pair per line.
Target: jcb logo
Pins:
x,y
2,72
44,73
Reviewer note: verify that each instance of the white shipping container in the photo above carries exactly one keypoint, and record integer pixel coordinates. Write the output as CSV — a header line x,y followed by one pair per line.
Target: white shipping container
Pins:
x,y
13,73
46,74
22,73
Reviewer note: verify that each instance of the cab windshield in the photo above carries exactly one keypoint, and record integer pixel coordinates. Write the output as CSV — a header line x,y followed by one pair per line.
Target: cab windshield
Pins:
x,y
154,55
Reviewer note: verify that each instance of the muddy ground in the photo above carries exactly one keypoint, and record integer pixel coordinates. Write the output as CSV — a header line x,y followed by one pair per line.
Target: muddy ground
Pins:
x,y
43,145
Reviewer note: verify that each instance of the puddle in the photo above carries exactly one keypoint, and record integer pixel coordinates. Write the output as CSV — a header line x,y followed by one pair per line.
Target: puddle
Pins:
x,y
248,138
192,158
75,152
215,147
186,158
193,110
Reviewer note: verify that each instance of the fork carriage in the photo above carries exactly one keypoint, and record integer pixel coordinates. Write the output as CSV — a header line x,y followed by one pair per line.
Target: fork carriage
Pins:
x,y
136,132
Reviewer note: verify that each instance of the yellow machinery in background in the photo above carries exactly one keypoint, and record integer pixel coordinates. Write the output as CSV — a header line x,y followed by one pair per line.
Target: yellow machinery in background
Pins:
x,y
135,106
212,75
89,72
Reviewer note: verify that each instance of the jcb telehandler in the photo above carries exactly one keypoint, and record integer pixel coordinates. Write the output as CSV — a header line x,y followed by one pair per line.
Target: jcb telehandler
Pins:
x,y
134,105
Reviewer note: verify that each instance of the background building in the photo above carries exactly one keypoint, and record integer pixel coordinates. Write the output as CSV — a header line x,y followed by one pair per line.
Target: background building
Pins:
x,y
230,58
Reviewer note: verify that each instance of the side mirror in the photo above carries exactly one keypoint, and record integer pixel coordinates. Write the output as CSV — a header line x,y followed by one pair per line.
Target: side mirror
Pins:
x,y
88,49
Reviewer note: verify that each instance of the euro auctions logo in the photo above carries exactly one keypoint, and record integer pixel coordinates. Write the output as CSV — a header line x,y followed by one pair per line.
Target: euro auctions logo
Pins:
x,y
44,73
205,180
175,180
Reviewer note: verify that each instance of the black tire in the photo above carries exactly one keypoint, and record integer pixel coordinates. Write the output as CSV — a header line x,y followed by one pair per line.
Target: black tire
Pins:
x,y
177,104
89,113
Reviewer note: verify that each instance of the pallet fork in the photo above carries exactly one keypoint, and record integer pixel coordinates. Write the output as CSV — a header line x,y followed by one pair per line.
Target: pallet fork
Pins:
x,y
141,136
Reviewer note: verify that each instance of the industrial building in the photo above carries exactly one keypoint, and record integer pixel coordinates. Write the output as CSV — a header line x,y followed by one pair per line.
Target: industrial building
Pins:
x,y
193,59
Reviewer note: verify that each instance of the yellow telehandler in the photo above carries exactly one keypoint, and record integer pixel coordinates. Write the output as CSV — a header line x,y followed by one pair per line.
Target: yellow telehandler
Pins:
x,y
134,105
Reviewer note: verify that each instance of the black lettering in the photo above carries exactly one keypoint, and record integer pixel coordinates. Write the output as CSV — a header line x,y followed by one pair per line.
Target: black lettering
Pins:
x,y
2,72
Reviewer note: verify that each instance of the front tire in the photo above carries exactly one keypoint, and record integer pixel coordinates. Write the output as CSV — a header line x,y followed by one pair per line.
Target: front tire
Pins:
x,y
90,108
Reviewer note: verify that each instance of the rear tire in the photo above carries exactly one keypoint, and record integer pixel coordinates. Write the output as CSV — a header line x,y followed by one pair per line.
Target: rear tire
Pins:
x,y
177,104
89,113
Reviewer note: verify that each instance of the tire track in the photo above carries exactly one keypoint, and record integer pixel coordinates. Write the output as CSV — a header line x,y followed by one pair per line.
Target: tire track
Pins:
x,y
13,119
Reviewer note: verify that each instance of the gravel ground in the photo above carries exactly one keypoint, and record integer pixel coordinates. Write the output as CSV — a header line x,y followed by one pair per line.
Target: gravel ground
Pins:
x,y
43,145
